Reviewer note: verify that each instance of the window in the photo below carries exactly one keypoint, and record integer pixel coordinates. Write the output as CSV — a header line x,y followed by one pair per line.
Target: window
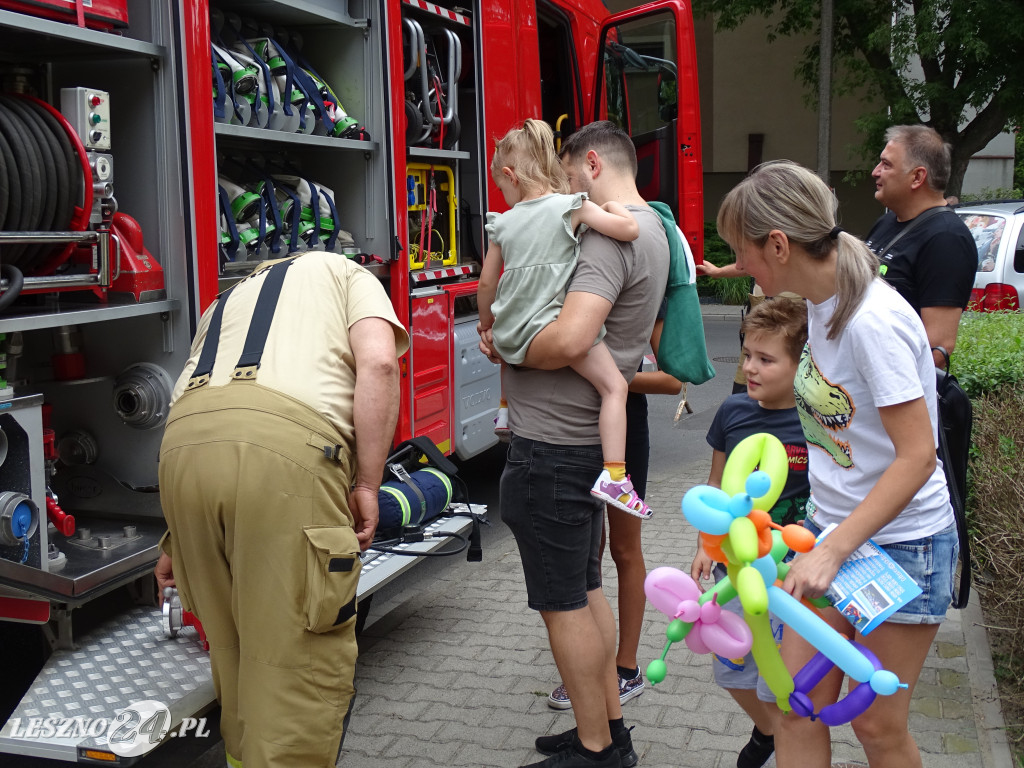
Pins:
x,y
639,78
559,78
987,232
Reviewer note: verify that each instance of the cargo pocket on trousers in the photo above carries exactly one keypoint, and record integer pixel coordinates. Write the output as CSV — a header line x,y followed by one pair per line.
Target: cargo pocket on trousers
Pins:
x,y
332,575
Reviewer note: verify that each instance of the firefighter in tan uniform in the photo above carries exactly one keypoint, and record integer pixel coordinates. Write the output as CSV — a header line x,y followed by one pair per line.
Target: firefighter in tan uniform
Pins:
x,y
269,469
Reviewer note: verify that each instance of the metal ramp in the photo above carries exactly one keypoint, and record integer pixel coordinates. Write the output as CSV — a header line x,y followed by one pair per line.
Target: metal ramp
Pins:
x,y
130,659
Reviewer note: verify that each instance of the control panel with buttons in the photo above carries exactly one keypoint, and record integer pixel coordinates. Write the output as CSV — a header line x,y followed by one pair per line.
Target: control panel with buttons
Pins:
x,y
88,111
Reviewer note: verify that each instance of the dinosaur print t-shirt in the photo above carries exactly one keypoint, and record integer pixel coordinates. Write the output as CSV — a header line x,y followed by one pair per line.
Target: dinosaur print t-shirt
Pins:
x,y
881,358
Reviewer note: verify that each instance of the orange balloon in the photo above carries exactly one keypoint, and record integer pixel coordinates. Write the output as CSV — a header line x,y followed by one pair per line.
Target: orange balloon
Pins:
x,y
713,546
764,541
760,519
798,538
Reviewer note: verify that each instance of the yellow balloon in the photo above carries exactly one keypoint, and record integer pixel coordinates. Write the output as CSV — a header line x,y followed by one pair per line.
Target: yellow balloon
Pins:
x,y
752,590
743,539
769,662
761,451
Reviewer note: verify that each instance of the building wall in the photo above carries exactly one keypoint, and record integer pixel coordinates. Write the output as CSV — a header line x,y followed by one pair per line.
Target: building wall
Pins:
x,y
749,86
753,88
992,168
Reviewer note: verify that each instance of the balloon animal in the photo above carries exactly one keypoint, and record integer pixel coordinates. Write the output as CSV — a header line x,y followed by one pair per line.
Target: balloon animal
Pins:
x,y
736,530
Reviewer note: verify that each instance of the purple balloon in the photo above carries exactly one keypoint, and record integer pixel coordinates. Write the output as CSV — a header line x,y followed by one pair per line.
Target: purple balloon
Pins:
x,y
801,704
853,705
812,673
843,711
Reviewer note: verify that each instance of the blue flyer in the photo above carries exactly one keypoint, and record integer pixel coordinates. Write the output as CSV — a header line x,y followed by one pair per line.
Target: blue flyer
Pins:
x,y
870,586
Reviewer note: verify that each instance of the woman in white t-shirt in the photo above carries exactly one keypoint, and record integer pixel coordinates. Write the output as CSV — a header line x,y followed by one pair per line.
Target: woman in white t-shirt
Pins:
x,y
865,391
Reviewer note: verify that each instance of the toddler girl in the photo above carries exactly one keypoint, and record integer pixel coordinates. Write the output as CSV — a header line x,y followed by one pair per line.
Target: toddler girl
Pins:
x,y
537,243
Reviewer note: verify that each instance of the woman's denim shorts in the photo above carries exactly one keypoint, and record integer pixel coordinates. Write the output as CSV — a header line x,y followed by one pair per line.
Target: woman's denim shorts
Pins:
x,y
931,562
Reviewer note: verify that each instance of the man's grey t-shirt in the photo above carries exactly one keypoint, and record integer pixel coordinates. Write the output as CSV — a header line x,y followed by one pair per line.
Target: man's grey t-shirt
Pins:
x,y
562,407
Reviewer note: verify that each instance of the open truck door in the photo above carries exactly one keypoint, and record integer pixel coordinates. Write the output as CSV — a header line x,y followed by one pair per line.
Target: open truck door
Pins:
x,y
646,84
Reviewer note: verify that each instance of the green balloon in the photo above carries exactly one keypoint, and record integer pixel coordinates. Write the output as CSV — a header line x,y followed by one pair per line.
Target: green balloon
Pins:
x,y
779,548
760,451
678,630
723,590
656,671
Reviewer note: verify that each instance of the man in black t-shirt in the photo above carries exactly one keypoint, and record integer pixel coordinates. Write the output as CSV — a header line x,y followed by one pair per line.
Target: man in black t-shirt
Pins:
x,y
933,265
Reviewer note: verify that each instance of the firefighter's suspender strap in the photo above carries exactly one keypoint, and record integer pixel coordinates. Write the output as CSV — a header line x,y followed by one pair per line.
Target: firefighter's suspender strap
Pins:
x,y
262,317
208,356
255,339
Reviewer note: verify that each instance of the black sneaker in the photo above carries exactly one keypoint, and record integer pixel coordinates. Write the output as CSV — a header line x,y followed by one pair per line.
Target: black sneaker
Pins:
x,y
559,742
758,750
569,757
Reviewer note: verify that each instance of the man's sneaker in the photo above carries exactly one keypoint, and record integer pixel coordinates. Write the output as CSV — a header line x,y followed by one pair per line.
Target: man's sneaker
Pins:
x,y
560,742
630,689
757,751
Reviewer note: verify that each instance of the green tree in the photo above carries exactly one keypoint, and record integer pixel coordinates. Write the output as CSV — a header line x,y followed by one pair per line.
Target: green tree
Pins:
x,y
952,64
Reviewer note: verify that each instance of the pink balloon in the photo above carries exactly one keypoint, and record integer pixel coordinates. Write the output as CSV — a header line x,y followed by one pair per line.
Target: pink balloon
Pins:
x,y
688,610
710,612
676,594
667,588
730,637
695,639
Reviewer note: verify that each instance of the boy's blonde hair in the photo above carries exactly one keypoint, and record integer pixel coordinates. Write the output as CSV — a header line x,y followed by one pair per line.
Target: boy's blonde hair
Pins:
x,y
782,317
530,152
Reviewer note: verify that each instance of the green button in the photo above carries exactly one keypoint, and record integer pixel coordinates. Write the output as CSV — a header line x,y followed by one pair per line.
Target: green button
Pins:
x,y
95,119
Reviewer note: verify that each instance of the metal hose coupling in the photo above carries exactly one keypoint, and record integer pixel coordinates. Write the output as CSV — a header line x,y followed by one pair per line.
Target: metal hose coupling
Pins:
x,y
142,395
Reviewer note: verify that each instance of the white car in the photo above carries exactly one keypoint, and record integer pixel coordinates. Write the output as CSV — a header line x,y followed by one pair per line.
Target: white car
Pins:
x,y
998,230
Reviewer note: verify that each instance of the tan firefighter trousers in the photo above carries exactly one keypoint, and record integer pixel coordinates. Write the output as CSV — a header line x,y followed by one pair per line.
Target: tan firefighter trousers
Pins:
x,y
264,554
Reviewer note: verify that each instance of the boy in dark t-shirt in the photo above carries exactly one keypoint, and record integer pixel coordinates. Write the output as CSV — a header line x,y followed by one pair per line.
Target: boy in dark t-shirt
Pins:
x,y
774,334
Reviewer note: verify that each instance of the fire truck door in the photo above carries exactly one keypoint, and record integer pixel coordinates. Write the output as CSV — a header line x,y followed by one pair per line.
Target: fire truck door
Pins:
x,y
647,84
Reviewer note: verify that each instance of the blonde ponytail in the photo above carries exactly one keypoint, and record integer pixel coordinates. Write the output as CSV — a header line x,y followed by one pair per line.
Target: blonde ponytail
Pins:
x,y
530,152
785,196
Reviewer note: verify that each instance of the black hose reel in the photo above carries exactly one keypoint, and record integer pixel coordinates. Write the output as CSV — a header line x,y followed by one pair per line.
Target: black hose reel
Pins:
x,y
41,186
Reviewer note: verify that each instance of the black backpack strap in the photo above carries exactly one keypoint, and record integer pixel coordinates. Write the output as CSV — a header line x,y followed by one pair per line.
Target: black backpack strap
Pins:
x,y
919,219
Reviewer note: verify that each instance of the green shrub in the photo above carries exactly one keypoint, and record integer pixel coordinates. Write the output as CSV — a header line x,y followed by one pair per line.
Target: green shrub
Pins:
x,y
989,362
989,351
992,193
728,290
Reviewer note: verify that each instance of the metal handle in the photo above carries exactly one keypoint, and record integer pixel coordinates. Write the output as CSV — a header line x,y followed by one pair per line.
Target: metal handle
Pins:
x,y
50,237
101,278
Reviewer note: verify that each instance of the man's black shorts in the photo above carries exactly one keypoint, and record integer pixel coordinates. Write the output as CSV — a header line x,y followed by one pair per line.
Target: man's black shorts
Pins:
x,y
546,502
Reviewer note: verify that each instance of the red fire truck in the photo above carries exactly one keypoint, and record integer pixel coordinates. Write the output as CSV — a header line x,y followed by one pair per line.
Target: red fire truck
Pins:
x,y
153,151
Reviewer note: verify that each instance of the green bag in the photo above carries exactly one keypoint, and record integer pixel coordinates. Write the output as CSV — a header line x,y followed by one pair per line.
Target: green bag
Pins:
x,y
682,351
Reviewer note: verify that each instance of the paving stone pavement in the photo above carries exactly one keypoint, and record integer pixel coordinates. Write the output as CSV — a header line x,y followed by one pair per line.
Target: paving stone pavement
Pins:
x,y
458,673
